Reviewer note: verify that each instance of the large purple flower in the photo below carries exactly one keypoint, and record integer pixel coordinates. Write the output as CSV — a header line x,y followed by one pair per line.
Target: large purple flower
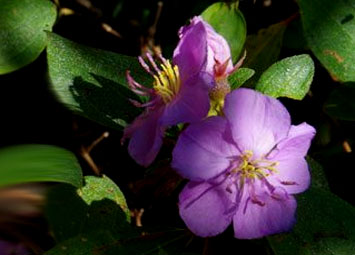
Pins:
x,y
179,95
243,168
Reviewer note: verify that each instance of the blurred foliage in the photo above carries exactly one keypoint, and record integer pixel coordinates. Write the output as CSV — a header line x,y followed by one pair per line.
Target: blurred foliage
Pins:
x,y
38,163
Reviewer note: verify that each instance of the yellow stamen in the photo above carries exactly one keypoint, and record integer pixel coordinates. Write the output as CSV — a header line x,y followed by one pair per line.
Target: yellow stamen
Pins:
x,y
252,169
167,82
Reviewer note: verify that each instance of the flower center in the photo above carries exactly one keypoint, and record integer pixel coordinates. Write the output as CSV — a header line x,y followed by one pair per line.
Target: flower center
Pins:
x,y
167,81
250,169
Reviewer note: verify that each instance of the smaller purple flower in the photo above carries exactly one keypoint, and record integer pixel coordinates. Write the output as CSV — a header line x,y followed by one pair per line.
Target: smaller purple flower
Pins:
x,y
243,168
219,62
179,95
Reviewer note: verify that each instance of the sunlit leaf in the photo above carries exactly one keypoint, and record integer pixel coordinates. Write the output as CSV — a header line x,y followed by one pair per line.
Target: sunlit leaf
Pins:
x,y
329,28
228,21
100,204
38,163
22,36
92,82
291,77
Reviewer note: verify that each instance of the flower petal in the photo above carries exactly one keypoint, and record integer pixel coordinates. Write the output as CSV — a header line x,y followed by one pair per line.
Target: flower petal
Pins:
x,y
146,137
293,173
258,122
206,209
297,143
203,150
190,55
191,104
274,213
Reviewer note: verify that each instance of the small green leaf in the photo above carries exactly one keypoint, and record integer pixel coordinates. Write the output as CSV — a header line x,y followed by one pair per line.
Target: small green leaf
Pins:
x,y
341,104
291,77
329,28
22,36
100,204
92,82
38,163
263,49
228,21
238,78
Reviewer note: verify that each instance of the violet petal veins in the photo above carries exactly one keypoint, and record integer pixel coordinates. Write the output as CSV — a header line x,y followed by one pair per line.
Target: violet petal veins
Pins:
x,y
243,168
179,95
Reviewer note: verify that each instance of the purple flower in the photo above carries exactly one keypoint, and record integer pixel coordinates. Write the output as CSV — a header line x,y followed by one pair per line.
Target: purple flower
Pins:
x,y
179,95
219,62
243,168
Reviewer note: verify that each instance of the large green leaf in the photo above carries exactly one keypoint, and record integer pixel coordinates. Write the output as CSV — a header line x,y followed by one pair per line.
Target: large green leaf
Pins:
x,y
22,36
263,49
291,77
100,204
325,223
38,163
329,28
325,226
228,21
341,104
92,82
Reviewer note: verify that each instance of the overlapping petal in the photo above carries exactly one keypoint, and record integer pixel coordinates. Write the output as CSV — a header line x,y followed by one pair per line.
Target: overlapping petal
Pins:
x,y
192,103
258,122
204,149
190,55
206,209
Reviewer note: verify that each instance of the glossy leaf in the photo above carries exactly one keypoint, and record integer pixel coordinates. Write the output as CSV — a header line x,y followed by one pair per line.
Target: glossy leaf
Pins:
x,y
340,103
291,77
329,28
38,163
228,21
263,49
22,36
238,78
99,205
92,82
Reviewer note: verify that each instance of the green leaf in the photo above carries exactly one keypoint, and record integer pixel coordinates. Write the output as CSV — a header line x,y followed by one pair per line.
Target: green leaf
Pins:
x,y
92,82
22,36
263,49
100,204
238,78
340,103
325,226
38,163
329,28
291,77
228,21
